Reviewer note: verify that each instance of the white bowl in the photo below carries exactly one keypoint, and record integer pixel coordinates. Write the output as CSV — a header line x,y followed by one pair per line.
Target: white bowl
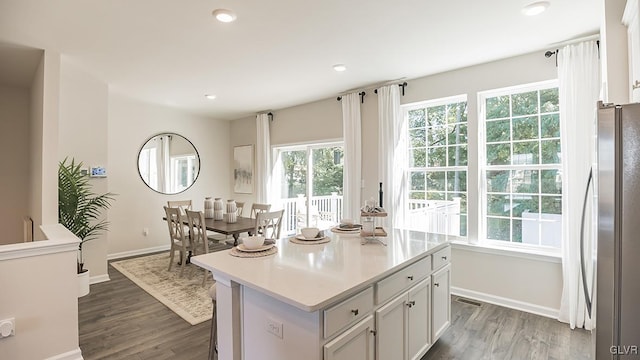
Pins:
x,y
310,233
253,242
346,221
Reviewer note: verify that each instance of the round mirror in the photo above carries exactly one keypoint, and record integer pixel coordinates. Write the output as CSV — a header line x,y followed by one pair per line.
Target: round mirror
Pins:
x,y
168,163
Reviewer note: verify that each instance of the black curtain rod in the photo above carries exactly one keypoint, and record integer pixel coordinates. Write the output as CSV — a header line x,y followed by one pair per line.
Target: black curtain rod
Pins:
x,y
550,53
362,94
270,115
401,85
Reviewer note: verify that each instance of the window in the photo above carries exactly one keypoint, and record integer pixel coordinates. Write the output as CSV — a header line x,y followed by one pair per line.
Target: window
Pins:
x,y
521,165
437,173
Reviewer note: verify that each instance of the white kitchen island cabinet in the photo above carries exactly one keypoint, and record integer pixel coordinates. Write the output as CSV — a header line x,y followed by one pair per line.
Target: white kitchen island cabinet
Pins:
x,y
322,302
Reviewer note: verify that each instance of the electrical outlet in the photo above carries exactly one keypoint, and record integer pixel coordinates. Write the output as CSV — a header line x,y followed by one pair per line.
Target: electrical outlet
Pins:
x,y
145,231
274,327
7,327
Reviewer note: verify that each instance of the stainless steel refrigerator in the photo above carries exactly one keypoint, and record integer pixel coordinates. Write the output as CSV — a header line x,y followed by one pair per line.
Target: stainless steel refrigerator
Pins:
x,y
616,304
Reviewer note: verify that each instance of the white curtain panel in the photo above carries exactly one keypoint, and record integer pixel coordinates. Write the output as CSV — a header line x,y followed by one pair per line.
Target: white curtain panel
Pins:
x,y
579,86
391,154
163,163
263,159
352,173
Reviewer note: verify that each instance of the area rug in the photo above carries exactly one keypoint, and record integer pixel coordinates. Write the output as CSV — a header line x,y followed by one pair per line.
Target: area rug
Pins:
x,y
186,295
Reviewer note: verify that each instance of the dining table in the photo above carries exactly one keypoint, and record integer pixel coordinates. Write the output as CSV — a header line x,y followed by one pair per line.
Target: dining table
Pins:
x,y
242,225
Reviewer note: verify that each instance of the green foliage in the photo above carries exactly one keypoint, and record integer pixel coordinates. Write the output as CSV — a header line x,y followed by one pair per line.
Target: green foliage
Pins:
x,y
327,171
79,209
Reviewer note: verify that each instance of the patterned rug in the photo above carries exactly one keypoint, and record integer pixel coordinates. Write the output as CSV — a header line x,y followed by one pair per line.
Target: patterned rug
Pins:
x,y
186,295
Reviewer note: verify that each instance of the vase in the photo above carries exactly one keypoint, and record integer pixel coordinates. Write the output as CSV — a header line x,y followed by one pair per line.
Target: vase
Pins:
x,y
218,212
208,208
232,211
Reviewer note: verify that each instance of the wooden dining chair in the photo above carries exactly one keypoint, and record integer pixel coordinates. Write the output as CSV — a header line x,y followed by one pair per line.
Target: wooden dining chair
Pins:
x,y
198,235
258,208
268,224
177,234
240,207
181,204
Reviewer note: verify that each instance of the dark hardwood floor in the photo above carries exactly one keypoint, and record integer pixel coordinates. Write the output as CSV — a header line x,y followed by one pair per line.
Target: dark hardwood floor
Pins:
x,y
118,320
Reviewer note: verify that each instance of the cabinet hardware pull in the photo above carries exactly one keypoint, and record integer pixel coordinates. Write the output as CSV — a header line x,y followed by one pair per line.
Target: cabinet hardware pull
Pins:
x,y
436,284
355,312
409,305
635,85
444,258
373,332
410,277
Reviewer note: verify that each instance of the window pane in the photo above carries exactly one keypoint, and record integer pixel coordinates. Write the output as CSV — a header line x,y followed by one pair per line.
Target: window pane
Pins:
x,y
551,205
432,195
437,135
498,229
550,126
457,155
551,182
525,181
498,205
437,157
436,115
530,230
417,180
435,181
463,200
463,225
418,137
525,203
416,195
549,100
550,151
498,181
551,231
457,181
457,113
525,103
498,130
517,231
525,128
498,154
525,153
497,107
417,118
457,134
417,157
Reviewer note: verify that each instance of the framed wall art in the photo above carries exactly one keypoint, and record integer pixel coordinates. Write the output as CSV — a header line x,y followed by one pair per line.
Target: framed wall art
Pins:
x,y
243,169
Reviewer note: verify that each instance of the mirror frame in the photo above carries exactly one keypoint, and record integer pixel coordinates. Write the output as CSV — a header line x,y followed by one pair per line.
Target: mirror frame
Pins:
x,y
190,143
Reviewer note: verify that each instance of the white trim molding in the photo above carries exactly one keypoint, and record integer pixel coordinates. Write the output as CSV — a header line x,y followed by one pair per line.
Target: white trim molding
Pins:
x,y
59,240
509,303
137,252
99,278
552,257
69,355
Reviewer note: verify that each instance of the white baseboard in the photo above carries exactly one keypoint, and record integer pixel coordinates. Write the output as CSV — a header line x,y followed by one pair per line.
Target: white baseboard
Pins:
x,y
150,250
509,303
99,279
69,355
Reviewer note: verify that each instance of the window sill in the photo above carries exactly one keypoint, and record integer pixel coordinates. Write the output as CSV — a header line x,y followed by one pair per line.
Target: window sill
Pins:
x,y
529,254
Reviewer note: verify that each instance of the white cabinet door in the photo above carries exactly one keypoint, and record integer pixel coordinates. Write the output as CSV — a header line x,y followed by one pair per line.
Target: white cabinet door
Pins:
x,y
391,329
631,19
355,343
419,319
441,309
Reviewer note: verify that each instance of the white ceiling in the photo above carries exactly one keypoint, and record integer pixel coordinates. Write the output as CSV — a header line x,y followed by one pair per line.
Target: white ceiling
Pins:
x,y
280,53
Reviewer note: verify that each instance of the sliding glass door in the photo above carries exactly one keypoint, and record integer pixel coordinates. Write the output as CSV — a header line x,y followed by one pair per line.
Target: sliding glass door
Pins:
x,y
310,184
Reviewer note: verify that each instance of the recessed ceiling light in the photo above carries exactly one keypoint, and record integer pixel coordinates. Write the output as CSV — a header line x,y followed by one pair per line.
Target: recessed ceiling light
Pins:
x,y
224,15
210,96
339,67
535,8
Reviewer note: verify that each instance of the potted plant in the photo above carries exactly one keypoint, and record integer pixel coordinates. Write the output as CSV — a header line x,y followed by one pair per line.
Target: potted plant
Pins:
x,y
79,210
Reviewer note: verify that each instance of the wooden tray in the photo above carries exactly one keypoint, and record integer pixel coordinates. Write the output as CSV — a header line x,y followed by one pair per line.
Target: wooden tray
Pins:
x,y
378,232
376,214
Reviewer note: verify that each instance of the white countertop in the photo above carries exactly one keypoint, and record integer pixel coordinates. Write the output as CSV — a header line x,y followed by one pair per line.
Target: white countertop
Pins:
x,y
311,277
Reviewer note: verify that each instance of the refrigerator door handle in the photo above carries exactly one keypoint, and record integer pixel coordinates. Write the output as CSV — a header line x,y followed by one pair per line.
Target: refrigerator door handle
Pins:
x,y
587,297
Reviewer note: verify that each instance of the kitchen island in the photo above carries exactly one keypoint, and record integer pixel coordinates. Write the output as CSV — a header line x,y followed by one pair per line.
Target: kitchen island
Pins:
x,y
339,300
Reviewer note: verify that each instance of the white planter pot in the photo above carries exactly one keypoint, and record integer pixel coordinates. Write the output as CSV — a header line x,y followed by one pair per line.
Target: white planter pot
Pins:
x,y
83,283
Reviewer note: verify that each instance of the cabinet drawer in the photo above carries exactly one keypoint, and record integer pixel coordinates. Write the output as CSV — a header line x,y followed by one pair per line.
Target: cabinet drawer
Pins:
x,y
348,311
441,258
403,279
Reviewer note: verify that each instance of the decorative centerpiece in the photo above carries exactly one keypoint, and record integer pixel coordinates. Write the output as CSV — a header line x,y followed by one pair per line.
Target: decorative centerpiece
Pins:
x,y
232,211
218,213
208,208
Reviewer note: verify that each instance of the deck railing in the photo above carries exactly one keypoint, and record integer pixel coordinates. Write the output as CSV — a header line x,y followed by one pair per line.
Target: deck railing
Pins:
x,y
325,211
435,216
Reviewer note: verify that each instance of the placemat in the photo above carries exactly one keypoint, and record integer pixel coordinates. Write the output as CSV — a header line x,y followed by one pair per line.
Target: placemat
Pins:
x,y
237,253
324,240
